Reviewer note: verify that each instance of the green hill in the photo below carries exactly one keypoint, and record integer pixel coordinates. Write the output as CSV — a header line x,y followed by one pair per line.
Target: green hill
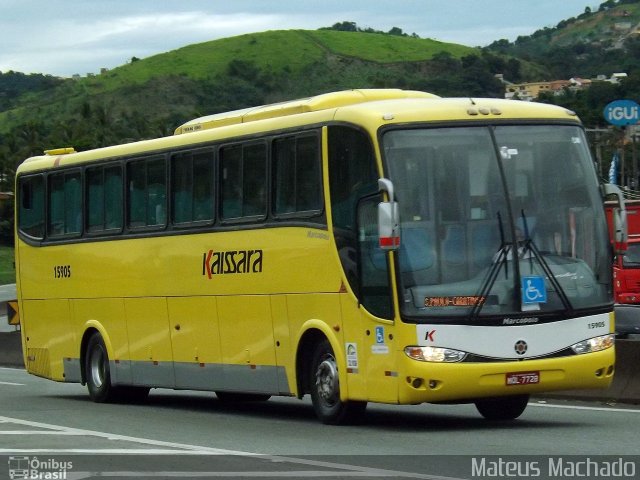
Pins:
x,y
276,52
271,66
602,41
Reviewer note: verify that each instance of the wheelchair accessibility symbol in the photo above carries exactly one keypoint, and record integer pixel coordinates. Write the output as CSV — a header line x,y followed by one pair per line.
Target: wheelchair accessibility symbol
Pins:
x,y
533,290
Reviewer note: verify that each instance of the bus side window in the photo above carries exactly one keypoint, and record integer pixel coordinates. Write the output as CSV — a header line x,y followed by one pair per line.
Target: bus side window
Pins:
x,y
113,198
231,181
156,193
146,204
192,187
243,177
254,180
104,199
65,204
297,184
31,207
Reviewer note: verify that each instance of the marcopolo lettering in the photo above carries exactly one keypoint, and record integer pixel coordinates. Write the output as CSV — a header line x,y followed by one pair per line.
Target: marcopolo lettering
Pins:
x,y
232,261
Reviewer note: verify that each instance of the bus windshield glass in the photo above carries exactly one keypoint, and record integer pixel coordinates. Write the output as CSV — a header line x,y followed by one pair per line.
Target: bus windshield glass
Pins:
x,y
631,257
497,220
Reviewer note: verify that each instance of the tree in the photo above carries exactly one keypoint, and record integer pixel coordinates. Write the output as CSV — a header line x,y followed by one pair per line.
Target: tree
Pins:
x,y
345,27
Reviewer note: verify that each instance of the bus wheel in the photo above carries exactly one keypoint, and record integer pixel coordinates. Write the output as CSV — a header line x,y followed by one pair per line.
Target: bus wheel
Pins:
x,y
502,408
97,371
325,389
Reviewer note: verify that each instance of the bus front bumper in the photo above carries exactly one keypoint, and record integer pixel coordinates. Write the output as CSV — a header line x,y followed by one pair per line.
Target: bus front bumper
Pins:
x,y
450,382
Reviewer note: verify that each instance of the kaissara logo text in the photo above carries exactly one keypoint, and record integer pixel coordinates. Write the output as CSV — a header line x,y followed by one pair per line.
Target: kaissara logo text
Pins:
x,y
233,261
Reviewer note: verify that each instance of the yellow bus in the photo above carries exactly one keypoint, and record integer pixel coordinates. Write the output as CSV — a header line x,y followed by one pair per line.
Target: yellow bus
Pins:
x,y
359,246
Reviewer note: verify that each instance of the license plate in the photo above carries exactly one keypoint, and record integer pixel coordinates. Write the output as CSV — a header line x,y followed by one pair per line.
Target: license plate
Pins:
x,y
522,378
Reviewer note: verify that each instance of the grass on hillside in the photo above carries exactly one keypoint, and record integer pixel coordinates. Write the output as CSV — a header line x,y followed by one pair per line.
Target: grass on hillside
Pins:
x,y
7,271
270,51
275,51
384,48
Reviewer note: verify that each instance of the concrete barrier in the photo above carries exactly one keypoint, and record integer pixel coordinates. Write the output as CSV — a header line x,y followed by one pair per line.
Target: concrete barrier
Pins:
x,y
625,387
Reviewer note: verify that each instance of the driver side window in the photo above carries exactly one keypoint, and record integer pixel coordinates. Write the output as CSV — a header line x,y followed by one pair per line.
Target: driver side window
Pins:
x,y
353,177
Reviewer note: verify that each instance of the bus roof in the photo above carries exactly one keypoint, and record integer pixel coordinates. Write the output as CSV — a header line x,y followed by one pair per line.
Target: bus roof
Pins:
x,y
369,108
303,105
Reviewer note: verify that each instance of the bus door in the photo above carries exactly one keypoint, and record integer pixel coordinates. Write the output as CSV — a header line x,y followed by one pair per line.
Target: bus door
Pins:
x,y
376,307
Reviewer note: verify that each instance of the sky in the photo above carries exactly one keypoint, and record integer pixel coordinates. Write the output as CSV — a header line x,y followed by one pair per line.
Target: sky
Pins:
x,y
67,37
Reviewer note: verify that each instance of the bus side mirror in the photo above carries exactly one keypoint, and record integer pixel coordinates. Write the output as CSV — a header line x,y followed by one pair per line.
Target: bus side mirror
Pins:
x,y
388,218
618,219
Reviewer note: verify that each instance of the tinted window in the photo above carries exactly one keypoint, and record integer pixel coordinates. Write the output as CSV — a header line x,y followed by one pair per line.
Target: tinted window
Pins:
x,y
147,205
192,187
104,198
353,181
65,204
352,173
243,177
31,207
298,182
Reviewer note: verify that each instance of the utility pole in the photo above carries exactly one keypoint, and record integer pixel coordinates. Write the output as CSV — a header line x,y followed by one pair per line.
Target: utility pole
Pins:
x,y
598,148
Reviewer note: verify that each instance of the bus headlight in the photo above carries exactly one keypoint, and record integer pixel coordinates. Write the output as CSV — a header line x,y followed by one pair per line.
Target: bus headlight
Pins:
x,y
594,344
435,354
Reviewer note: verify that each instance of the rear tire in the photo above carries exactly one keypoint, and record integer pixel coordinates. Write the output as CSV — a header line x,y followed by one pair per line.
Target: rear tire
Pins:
x,y
502,408
325,389
97,371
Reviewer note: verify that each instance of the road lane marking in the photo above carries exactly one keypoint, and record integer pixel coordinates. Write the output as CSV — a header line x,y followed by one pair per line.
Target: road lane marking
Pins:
x,y
38,432
104,451
123,438
12,383
578,407
182,449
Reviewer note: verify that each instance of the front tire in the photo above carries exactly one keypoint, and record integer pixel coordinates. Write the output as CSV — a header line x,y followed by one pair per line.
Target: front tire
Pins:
x,y
502,408
325,389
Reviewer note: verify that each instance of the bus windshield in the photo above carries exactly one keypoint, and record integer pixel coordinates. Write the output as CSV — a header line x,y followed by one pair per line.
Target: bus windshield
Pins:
x,y
631,257
497,221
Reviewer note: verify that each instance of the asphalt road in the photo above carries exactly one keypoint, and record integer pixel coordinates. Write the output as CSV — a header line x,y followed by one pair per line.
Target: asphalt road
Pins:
x,y
193,435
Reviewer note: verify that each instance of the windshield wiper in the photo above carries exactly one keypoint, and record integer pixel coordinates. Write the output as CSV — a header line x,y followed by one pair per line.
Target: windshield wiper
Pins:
x,y
530,246
499,259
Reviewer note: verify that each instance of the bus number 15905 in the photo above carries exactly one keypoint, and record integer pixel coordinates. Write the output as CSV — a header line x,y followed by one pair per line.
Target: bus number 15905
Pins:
x,y
62,271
